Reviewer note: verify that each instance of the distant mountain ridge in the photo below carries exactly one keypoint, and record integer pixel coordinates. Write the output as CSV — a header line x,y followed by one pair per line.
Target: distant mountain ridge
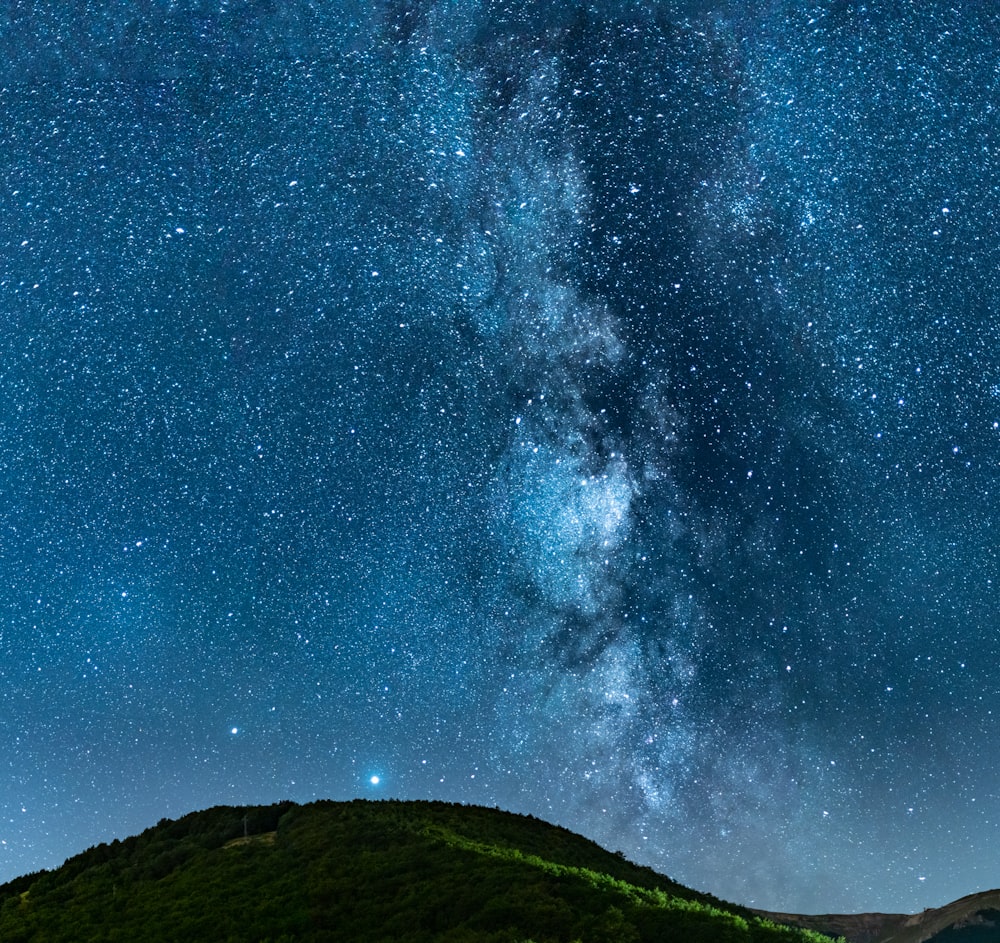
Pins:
x,y
971,919
409,872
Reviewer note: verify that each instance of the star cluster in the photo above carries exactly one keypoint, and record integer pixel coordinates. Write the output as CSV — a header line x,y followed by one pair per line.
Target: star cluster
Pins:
x,y
592,411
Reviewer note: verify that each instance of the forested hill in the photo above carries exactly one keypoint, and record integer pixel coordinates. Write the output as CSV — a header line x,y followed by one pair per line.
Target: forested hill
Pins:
x,y
372,871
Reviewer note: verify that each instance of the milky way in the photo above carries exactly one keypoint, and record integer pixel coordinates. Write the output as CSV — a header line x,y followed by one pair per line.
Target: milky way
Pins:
x,y
593,412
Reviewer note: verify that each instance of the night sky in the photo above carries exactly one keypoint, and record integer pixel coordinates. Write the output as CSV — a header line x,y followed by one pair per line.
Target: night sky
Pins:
x,y
591,409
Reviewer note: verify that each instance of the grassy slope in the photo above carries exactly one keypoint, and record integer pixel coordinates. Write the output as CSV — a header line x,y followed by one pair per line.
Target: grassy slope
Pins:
x,y
364,871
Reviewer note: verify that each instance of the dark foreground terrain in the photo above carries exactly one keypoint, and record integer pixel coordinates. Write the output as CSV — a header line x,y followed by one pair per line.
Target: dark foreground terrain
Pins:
x,y
399,871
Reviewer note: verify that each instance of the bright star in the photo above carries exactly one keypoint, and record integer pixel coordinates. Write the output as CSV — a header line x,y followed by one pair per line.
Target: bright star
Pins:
x,y
375,780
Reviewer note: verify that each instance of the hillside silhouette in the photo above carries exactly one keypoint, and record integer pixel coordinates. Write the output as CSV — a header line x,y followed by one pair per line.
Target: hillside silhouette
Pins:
x,y
408,872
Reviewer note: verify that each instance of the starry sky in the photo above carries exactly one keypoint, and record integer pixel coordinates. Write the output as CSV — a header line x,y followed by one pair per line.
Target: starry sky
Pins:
x,y
591,409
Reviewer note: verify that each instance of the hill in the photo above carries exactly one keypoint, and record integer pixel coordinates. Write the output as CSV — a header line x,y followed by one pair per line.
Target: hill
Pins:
x,y
409,872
